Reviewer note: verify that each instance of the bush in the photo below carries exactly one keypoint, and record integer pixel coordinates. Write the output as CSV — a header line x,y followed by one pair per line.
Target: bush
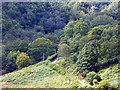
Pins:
x,y
85,73
91,76
103,84
23,60
52,57
95,82
52,65
68,76
75,84
58,69
62,71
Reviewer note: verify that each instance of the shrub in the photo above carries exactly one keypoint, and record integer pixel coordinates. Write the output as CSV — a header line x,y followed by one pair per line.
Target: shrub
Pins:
x,y
91,76
68,76
23,60
62,71
103,84
75,84
52,57
52,65
85,73
95,82
58,69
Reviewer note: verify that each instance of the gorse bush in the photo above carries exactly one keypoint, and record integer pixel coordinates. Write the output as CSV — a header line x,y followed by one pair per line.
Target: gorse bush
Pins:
x,y
103,85
23,60
95,82
91,76
75,84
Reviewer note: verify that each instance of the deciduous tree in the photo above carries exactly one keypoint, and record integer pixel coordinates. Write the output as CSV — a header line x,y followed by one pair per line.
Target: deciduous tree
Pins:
x,y
64,51
23,60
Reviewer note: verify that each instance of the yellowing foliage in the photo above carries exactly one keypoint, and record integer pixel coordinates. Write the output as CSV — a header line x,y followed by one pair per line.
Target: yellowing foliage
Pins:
x,y
90,35
23,60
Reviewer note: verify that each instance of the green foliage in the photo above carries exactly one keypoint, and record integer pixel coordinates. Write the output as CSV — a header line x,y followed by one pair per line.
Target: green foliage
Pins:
x,y
42,42
22,46
72,32
80,27
68,29
109,47
75,84
99,51
47,62
103,84
57,68
23,60
87,30
11,61
12,55
91,76
34,76
95,33
62,71
74,57
83,40
67,64
64,51
102,20
40,46
87,58
88,87
95,82
33,17
111,74
52,57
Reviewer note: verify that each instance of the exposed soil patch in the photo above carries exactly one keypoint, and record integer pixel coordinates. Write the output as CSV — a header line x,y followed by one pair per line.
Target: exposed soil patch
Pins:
x,y
5,84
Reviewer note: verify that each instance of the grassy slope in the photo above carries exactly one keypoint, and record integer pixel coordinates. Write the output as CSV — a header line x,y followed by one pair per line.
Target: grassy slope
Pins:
x,y
111,74
41,76
36,76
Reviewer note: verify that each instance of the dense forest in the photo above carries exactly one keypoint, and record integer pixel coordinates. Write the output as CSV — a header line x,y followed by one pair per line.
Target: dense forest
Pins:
x,y
85,34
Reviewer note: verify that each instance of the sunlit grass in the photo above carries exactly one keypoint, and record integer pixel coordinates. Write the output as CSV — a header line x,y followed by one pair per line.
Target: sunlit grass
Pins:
x,y
35,76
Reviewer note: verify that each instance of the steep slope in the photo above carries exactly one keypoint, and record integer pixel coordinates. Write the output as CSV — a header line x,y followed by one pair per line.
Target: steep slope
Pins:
x,y
35,76
111,74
